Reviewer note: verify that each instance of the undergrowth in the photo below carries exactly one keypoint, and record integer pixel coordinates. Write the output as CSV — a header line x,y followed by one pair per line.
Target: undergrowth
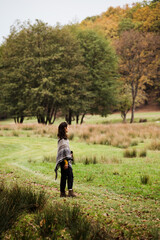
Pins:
x,y
14,201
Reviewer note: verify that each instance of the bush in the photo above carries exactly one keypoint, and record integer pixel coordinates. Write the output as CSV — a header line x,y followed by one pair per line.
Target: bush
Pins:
x,y
130,153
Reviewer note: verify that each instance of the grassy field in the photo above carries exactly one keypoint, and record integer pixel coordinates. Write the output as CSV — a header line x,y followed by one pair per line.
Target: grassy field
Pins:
x,y
116,174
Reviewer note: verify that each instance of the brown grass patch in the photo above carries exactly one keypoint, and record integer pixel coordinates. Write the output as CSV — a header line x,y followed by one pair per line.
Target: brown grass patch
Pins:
x,y
117,135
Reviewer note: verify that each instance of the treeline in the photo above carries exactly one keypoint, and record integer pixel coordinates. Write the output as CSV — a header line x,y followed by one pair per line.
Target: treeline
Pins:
x,y
106,63
47,70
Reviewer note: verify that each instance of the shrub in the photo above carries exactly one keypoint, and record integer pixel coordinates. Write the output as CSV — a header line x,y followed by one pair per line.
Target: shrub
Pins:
x,y
130,153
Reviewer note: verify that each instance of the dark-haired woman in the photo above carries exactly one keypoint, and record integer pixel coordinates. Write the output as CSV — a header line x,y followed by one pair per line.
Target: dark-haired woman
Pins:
x,y
64,159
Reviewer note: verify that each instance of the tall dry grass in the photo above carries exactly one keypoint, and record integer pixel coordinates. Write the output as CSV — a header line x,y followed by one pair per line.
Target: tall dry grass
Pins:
x,y
117,135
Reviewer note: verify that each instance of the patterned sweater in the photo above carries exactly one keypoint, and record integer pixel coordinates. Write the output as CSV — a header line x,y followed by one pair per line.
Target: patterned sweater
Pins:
x,y
63,153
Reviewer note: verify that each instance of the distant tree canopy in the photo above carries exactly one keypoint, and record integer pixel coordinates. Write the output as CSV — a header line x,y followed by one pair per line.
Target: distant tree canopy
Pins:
x,y
144,16
46,69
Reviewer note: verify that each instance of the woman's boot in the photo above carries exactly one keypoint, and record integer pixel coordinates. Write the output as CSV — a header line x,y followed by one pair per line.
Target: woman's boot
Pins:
x,y
71,193
62,194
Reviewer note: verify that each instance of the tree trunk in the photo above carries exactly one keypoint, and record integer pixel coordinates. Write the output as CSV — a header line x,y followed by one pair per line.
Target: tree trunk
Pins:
x,y
53,116
21,119
124,117
82,117
77,119
18,119
70,117
15,120
132,112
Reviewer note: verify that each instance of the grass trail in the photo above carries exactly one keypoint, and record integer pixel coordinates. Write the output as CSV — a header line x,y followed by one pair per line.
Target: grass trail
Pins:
x,y
109,191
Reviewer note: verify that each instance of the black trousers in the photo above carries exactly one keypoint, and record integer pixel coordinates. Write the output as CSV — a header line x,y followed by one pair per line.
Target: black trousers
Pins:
x,y
66,175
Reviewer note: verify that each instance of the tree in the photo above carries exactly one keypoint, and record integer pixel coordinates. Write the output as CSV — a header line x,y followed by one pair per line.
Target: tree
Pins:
x,y
124,101
100,61
125,25
137,54
13,80
148,17
41,69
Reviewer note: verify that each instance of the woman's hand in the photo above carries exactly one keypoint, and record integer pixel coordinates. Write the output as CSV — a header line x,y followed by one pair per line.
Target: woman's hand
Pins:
x,y
65,164
65,167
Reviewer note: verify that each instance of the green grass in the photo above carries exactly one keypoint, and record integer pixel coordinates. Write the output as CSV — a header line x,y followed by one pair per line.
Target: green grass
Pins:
x,y
115,191
97,119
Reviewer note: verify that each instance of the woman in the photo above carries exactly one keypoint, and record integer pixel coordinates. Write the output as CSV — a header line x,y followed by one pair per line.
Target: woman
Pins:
x,y
64,158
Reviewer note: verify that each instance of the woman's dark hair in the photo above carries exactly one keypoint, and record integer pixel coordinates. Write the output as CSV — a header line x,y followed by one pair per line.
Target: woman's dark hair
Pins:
x,y
61,130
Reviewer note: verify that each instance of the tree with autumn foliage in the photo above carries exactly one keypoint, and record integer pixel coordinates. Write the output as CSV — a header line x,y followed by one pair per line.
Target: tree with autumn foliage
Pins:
x,y
137,53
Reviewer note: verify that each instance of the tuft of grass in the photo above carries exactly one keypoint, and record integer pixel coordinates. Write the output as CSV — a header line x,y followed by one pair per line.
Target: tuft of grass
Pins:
x,y
15,201
145,179
94,160
116,172
31,161
143,153
91,160
57,220
130,153
90,178
134,143
27,128
155,145
49,159
86,161
71,136
15,134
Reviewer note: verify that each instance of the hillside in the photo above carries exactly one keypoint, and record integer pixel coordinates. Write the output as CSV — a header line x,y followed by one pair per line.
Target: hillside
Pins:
x,y
143,16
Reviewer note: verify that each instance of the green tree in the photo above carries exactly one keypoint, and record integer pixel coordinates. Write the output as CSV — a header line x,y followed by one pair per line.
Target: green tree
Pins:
x,y
100,61
125,24
13,80
42,68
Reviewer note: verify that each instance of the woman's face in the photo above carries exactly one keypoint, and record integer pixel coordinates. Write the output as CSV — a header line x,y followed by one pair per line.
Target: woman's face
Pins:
x,y
66,130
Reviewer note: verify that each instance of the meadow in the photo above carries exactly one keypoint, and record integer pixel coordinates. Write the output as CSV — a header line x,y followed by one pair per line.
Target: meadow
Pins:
x,y
116,178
